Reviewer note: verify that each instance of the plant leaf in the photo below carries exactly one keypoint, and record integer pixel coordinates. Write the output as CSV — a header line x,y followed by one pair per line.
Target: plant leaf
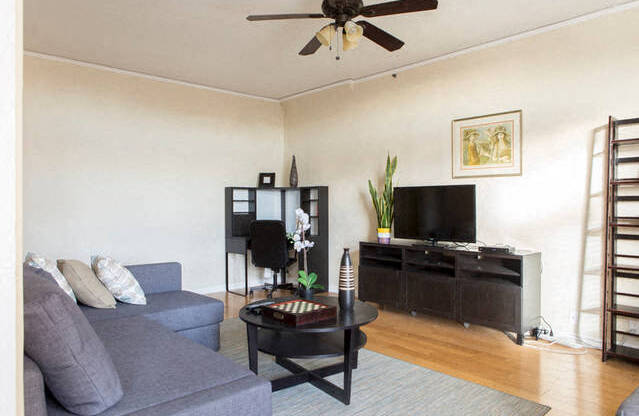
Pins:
x,y
317,286
312,278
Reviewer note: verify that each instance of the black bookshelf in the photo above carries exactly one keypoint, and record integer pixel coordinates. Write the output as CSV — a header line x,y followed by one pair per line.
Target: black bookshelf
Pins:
x,y
241,208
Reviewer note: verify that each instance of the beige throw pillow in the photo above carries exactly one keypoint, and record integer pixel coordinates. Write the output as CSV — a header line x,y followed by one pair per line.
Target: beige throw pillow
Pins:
x,y
86,286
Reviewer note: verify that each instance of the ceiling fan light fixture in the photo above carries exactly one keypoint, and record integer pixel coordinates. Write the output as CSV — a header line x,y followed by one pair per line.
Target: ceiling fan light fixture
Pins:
x,y
325,35
353,32
348,45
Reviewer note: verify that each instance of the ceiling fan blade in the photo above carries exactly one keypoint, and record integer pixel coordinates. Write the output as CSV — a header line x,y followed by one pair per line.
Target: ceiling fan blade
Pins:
x,y
258,17
398,7
380,37
311,47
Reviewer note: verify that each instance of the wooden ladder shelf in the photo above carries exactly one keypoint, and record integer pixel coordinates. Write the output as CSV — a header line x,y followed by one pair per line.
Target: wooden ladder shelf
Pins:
x,y
620,304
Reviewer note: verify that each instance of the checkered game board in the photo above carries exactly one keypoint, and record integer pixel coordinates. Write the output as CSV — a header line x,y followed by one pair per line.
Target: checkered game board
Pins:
x,y
298,306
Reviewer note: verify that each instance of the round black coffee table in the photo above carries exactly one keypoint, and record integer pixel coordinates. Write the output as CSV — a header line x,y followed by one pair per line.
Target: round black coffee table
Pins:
x,y
341,336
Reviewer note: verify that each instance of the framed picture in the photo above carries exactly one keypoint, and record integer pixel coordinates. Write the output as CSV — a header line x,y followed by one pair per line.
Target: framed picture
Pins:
x,y
266,180
487,145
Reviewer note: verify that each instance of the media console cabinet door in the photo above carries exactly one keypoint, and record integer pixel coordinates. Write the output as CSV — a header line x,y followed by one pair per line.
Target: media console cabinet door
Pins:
x,y
431,292
382,285
496,305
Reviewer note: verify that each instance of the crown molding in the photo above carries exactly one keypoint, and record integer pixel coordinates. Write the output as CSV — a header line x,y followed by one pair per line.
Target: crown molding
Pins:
x,y
490,44
146,76
353,81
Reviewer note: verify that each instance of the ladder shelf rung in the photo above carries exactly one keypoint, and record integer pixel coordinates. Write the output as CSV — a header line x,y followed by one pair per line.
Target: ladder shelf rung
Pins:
x,y
627,198
622,267
634,159
626,236
631,295
626,275
624,121
620,224
625,219
625,181
627,333
627,256
625,310
628,353
634,140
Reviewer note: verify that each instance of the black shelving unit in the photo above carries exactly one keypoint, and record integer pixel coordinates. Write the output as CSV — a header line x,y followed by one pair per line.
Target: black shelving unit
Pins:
x,y
241,208
495,290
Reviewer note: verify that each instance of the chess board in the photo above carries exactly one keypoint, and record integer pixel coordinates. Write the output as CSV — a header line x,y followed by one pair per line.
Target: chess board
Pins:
x,y
299,312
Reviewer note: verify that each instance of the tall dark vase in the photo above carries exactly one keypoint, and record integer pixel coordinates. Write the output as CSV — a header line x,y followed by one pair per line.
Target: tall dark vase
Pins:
x,y
346,282
293,178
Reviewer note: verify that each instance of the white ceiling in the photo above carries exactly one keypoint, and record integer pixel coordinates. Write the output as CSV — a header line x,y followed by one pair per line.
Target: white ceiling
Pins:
x,y
209,42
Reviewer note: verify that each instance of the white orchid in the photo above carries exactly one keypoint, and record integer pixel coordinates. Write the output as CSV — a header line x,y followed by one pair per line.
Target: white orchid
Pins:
x,y
303,224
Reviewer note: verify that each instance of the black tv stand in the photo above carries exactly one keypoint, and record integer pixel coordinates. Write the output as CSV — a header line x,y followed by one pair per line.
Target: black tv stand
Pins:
x,y
427,243
501,291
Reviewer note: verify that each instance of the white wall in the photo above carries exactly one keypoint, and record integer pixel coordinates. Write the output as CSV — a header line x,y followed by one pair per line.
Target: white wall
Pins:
x,y
136,168
10,226
566,82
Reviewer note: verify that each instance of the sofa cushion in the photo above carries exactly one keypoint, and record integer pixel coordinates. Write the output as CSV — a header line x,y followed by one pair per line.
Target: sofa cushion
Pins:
x,y
157,366
118,280
158,277
177,310
77,368
86,286
34,401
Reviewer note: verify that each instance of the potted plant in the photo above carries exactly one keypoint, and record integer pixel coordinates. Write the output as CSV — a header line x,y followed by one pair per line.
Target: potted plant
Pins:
x,y
306,280
383,203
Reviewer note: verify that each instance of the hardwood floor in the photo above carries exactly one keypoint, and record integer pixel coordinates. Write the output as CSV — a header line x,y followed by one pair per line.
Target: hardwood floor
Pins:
x,y
570,384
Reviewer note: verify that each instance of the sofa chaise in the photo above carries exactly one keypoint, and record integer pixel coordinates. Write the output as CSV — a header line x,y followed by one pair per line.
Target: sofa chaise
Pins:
x,y
164,355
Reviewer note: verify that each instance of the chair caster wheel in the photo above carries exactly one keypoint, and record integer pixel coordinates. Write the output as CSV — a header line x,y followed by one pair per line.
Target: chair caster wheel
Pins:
x,y
413,313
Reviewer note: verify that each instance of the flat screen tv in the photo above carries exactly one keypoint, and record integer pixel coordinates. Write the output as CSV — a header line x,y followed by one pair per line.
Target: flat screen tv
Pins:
x,y
444,213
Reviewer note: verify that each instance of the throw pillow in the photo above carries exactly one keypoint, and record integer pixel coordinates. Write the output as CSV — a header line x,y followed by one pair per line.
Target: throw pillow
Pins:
x,y
77,369
86,285
118,280
49,266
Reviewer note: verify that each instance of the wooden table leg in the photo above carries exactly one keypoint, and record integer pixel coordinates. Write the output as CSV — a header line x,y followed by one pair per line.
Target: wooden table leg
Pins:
x,y
349,350
251,335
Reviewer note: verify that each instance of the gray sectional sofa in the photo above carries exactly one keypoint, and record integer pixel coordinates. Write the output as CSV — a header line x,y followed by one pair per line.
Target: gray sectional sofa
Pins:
x,y
164,355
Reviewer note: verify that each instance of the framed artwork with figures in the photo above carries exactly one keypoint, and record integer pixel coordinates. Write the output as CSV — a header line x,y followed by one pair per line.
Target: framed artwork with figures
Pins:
x,y
487,145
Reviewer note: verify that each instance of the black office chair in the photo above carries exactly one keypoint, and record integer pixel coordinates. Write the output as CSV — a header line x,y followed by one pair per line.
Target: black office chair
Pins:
x,y
269,248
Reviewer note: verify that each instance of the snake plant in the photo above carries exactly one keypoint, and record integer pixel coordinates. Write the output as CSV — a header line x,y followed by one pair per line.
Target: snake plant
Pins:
x,y
383,203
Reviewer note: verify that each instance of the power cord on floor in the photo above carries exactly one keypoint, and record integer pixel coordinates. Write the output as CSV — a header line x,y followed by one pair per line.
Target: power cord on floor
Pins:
x,y
545,346
547,334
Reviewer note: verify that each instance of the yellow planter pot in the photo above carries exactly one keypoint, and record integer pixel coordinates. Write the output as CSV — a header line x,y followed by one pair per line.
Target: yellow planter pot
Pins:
x,y
383,235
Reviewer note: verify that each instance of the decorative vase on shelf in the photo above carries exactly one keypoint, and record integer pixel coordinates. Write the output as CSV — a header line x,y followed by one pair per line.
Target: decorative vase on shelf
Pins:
x,y
346,282
293,178
383,235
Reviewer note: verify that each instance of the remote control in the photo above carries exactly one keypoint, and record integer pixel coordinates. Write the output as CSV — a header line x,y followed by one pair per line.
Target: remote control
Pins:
x,y
259,304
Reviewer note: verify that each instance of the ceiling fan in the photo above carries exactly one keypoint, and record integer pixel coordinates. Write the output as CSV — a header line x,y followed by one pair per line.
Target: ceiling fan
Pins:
x,y
343,12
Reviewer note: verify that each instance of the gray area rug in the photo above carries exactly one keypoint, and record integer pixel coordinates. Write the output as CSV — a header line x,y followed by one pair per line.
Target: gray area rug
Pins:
x,y
381,386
